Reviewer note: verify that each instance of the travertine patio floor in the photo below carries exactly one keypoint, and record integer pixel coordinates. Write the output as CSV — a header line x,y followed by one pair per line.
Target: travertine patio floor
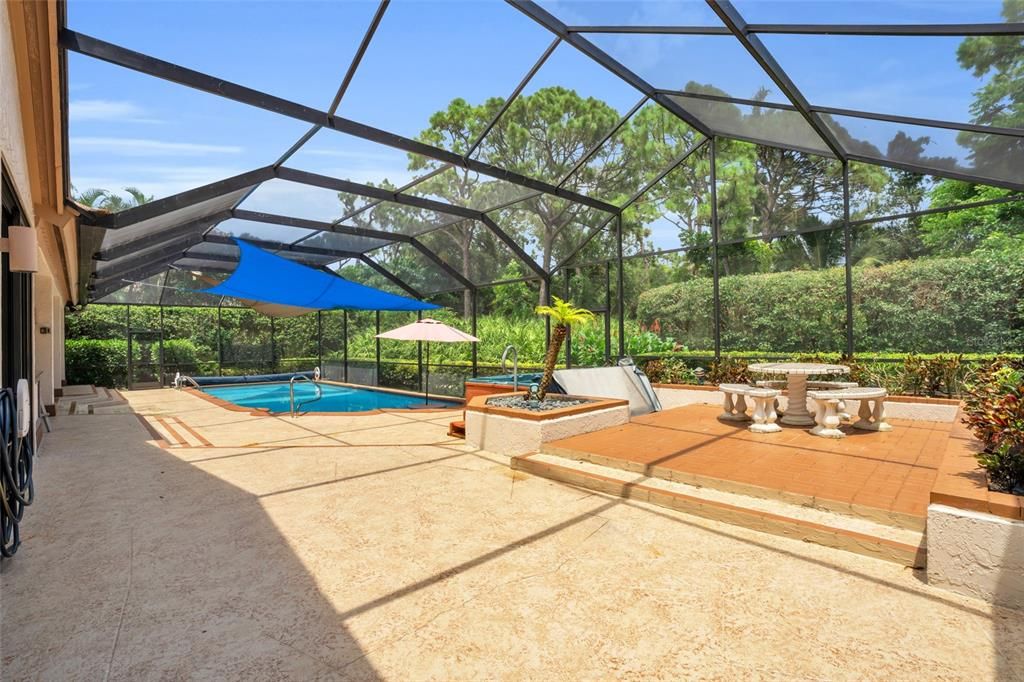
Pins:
x,y
376,547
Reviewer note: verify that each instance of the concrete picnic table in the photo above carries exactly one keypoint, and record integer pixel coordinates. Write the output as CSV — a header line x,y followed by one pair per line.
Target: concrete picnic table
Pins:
x,y
796,383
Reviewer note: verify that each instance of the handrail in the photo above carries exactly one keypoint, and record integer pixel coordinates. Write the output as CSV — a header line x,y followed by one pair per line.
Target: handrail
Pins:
x,y
180,379
292,407
515,365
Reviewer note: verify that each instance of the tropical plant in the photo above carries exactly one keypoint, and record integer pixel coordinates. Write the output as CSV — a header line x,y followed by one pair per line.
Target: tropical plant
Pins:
x,y
994,410
565,315
111,201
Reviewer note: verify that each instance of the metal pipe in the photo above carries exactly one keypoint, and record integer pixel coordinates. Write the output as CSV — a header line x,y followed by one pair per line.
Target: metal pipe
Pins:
x,y
621,293
473,346
515,365
716,300
344,327
607,313
848,258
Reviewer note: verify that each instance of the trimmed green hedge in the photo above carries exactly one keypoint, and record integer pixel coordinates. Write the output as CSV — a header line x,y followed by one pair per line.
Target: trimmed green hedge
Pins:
x,y
951,305
103,362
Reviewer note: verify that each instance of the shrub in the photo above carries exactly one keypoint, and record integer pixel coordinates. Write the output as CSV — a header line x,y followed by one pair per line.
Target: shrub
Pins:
x,y
958,305
103,362
995,414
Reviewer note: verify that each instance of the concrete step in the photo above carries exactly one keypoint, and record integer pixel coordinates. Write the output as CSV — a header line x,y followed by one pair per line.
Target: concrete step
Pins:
x,y
831,529
879,516
91,400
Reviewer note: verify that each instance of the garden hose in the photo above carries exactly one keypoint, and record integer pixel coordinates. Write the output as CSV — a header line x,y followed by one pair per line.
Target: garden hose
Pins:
x,y
16,487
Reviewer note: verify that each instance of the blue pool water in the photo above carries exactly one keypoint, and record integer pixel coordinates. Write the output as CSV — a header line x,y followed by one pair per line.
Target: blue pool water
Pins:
x,y
274,397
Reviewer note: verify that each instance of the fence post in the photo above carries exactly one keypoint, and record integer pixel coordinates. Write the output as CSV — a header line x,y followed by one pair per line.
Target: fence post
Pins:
x,y
377,344
344,344
607,312
220,345
568,334
419,355
273,350
473,346
320,340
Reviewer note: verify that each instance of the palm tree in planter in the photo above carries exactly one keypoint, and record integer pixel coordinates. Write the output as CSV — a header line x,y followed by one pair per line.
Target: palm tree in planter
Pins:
x,y
565,315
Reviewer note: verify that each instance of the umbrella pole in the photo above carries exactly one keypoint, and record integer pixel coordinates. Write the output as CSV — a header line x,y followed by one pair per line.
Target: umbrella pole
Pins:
x,y
426,384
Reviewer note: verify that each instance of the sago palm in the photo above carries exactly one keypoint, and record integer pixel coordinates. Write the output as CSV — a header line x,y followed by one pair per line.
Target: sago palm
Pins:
x,y
565,315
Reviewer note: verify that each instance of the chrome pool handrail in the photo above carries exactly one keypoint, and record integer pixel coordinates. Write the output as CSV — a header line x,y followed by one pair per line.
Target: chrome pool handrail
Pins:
x,y
292,407
181,379
515,365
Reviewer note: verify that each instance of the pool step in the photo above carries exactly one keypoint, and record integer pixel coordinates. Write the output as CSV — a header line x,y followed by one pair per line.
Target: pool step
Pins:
x,y
457,429
828,528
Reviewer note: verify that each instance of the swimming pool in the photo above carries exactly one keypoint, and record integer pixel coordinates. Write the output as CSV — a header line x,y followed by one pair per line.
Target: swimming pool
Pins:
x,y
274,397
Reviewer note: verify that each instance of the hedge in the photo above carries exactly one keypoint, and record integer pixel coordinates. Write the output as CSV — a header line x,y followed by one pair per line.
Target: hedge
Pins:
x,y
958,305
103,362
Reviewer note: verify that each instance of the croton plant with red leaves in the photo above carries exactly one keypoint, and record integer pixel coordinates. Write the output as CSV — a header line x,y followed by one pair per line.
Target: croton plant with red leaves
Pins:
x,y
994,409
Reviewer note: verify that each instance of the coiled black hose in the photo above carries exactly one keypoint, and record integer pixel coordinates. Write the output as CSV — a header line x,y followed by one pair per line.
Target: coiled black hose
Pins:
x,y
16,488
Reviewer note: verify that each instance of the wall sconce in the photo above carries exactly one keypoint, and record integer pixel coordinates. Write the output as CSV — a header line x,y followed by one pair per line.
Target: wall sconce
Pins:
x,y
22,246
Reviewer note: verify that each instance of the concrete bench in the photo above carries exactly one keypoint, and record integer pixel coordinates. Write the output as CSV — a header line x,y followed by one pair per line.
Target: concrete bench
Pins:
x,y
834,386
735,406
827,410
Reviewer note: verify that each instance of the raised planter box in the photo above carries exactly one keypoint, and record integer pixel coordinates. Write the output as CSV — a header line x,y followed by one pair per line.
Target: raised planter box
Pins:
x,y
975,535
508,431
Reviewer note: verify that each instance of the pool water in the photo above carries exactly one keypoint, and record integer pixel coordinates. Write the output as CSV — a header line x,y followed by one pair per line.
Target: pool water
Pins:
x,y
274,397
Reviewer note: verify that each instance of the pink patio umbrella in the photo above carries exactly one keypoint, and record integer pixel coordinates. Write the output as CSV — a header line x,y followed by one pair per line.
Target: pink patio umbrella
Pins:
x,y
428,330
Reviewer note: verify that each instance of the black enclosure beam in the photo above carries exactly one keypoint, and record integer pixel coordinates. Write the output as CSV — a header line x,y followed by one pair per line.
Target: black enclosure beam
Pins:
x,y
939,209
568,260
848,258
387,274
101,288
515,94
339,185
854,113
513,245
320,226
183,200
160,236
940,172
120,56
916,121
357,59
716,299
164,254
407,186
728,99
550,22
593,150
954,30
664,30
282,246
436,260
734,21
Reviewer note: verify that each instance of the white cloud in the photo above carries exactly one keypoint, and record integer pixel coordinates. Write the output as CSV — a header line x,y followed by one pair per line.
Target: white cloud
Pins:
x,y
122,111
147,147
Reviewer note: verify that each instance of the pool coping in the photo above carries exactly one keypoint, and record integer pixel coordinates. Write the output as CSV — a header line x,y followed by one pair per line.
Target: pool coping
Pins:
x,y
263,412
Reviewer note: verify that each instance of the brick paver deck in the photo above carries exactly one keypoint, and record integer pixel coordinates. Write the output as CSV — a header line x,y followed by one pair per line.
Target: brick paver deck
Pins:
x,y
891,472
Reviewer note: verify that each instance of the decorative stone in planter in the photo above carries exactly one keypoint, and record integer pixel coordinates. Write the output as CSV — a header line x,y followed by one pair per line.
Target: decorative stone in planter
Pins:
x,y
497,423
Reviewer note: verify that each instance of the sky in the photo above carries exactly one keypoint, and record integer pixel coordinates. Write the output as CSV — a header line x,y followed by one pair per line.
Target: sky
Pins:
x,y
128,129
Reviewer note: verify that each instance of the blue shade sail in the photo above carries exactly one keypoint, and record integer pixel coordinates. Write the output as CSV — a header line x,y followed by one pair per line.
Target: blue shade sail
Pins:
x,y
262,276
